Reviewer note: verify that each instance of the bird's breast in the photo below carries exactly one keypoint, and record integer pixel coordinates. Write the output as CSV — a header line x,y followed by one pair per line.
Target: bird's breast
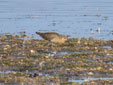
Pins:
x,y
58,40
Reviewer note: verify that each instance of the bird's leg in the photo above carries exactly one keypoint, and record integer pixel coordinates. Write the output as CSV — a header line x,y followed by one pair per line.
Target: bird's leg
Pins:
x,y
51,47
51,50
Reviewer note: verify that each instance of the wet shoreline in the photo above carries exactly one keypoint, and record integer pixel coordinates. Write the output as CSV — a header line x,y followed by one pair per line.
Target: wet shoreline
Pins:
x,y
78,60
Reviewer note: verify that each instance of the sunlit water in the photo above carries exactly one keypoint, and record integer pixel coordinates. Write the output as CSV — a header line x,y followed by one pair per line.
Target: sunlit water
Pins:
x,y
69,17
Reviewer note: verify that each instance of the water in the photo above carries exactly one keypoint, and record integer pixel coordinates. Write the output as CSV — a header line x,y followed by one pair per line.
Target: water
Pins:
x,y
90,79
58,54
106,47
68,17
8,71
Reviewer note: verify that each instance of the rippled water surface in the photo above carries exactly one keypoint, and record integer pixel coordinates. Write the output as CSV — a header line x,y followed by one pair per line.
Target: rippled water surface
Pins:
x,y
77,18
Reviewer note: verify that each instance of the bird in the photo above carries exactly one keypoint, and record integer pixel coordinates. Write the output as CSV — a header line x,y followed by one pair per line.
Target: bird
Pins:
x,y
53,37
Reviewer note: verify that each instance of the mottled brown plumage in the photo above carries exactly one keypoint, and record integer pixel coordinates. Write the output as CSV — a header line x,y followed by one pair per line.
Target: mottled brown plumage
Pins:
x,y
53,37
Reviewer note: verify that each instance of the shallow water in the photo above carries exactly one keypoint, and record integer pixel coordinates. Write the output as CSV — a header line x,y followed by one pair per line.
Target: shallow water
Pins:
x,y
68,17
9,83
57,54
8,71
90,79
106,47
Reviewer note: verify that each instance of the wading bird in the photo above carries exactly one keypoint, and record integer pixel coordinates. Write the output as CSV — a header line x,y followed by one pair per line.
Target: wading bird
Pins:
x,y
53,37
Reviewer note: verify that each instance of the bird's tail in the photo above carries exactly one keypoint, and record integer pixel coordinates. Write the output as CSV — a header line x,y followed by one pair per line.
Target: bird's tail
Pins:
x,y
38,33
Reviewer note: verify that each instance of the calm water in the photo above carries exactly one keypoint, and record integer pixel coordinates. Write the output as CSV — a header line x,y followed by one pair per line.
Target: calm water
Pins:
x,y
69,17
90,79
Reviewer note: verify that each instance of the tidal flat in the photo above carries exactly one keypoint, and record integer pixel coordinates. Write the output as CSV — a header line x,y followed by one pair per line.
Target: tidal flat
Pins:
x,y
28,61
